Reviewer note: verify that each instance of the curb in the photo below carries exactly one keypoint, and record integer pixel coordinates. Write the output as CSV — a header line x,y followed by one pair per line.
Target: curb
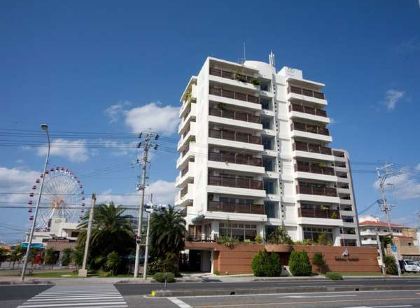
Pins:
x,y
238,291
25,283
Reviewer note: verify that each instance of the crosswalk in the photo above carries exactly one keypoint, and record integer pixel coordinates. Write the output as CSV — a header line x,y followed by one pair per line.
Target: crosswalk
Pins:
x,y
96,296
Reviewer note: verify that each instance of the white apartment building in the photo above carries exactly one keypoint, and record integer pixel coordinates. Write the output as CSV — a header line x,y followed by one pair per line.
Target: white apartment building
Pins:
x,y
369,229
254,154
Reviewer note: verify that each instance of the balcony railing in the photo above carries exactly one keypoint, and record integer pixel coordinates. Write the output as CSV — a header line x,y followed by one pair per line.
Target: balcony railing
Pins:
x,y
232,181
309,110
235,158
184,171
309,128
184,191
313,148
231,75
187,148
234,136
234,94
316,190
236,207
319,213
200,237
339,154
236,115
313,168
306,92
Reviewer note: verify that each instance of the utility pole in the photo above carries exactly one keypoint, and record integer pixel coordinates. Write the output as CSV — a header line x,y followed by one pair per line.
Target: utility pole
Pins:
x,y
83,270
146,250
44,127
384,173
147,144
378,241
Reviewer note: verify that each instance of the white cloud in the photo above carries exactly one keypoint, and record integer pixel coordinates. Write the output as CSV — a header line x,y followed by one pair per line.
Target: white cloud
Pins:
x,y
417,168
153,116
363,218
405,185
73,150
16,181
114,112
392,97
163,193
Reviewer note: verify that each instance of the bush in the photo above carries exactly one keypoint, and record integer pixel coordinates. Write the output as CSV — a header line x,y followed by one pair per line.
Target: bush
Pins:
x,y
66,259
227,241
299,264
113,262
258,239
390,265
318,260
266,264
161,276
323,239
334,276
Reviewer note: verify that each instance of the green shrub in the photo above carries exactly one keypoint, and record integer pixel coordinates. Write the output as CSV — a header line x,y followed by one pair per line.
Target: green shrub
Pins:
x,y
390,265
66,259
266,264
323,239
161,276
299,264
318,261
334,276
258,239
113,262
227,241
280,236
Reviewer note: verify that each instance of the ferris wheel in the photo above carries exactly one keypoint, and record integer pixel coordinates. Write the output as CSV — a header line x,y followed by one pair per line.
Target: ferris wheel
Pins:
x,y
62,197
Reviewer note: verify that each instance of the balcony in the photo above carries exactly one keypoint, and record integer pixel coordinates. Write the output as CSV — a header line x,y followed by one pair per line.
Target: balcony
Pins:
x,y
316,190
233,76
235,181
313,168
236,115
319,213
313,148
235,158
234,95
308,110
234,136
305,92
310,128
218,206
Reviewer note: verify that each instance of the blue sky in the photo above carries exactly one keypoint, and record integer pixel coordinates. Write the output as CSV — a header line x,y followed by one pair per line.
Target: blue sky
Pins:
x,y
97,66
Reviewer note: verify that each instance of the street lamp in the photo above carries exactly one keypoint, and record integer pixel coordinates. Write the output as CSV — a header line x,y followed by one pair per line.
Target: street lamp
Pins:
x,y
44,127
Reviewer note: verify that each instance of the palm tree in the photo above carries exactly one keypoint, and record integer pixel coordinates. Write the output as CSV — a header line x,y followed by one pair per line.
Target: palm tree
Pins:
x,y
167,232
16,255
111,231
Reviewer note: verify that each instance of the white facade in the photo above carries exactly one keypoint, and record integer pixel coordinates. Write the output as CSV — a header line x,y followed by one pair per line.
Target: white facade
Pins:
x,y
369,229
254,155
59,228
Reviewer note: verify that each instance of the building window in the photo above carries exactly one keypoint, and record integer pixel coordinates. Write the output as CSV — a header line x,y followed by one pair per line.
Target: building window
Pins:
x,y
238,230
312,233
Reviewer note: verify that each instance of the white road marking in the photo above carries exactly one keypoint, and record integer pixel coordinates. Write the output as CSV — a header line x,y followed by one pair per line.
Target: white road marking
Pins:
x,y
312,296
99,296
392,306
179,302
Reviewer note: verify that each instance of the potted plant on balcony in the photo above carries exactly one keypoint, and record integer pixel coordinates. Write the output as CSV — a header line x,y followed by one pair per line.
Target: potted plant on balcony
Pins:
x,y
255,82
334,215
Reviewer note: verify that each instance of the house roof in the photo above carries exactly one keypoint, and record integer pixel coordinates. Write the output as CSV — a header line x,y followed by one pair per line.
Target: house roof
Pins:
x,y
374,223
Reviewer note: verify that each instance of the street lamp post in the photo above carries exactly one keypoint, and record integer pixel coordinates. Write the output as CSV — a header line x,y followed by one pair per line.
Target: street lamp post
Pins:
x,y
44,127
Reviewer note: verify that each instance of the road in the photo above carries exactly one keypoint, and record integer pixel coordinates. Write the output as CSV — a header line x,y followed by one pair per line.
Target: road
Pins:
x,y
105,294
266,285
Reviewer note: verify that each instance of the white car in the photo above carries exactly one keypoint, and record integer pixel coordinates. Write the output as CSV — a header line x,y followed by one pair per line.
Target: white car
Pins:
x,y
409,266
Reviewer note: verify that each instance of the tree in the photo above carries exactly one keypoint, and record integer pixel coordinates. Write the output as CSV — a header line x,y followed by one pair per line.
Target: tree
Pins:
x,y
280,236
390,265
49,256
299,264
3,255
266,264
16,255
113,262
77,257
111,231
67,256
318,260
167,231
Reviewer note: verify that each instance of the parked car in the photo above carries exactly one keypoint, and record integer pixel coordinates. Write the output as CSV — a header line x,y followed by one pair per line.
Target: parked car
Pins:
x,y
409,266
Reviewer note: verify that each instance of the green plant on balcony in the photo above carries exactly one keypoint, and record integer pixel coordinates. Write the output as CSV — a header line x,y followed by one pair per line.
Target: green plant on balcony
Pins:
x,y
256,82
334,215
258,239
280,236
227,241
323,239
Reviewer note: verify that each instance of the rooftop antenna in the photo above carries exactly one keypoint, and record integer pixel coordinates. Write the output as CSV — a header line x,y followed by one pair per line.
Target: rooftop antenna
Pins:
x,y
243,59
272,59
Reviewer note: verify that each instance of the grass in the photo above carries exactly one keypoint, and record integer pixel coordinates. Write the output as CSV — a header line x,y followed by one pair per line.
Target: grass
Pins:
x,y
360,273
54,274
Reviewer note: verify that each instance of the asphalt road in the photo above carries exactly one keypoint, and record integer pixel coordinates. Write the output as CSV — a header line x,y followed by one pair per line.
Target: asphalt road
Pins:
x,y
374,299
264,286
14,295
